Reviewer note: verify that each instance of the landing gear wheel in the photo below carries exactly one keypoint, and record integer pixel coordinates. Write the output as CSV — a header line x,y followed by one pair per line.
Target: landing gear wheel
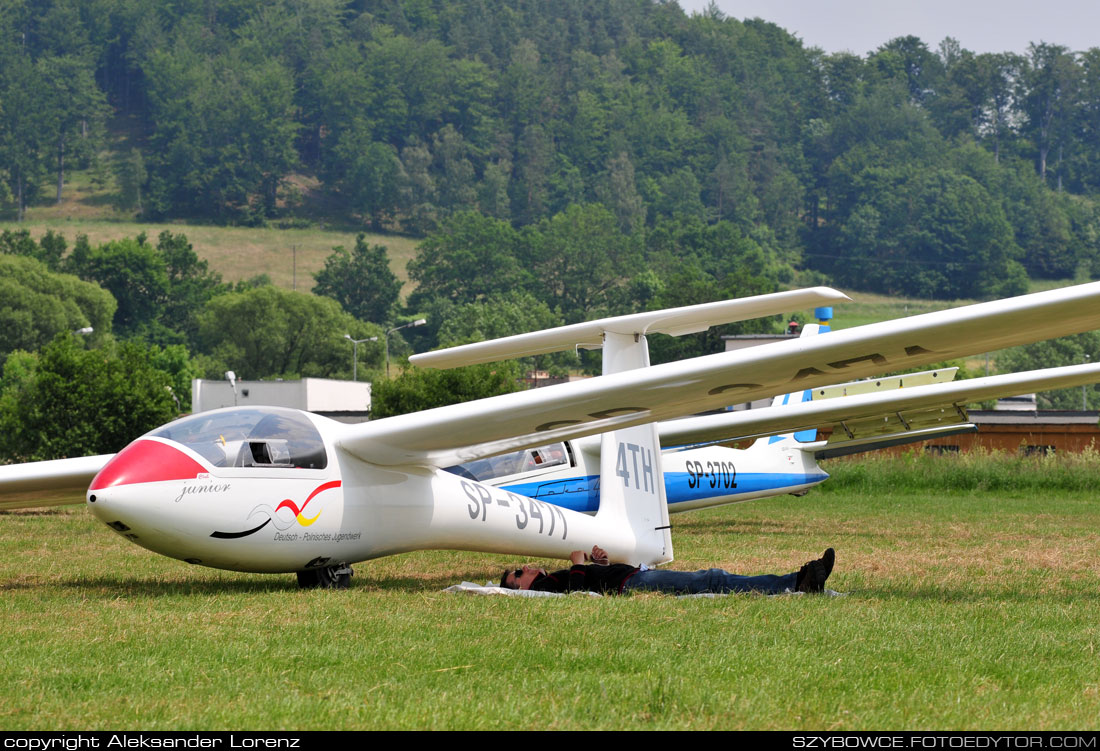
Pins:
x,y
328,577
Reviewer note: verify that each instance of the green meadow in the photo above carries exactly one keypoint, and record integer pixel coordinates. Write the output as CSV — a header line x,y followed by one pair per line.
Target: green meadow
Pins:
x,y
290,257
971,601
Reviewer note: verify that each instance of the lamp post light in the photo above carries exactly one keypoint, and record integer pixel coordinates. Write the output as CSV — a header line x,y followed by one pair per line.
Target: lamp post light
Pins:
x,y
417,322
232,378
355,353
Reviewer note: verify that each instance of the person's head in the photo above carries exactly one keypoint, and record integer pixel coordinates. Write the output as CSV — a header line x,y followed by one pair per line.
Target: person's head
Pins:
x,y
521,578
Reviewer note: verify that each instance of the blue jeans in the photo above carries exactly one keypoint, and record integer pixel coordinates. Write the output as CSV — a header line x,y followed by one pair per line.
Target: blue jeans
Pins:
x,y
713,580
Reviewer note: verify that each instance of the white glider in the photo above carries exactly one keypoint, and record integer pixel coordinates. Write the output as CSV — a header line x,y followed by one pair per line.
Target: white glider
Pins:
x,y
270,489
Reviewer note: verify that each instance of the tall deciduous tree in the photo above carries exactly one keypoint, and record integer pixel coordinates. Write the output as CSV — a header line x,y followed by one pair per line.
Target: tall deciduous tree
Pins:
x,y
24,128
224,137
580,258
75,111
1048,85
37,304
929,233
191,284
471,257
69,401
133,272
269,332
423,388
361,281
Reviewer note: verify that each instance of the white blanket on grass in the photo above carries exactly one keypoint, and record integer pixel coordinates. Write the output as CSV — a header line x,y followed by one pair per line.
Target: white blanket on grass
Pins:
x,y
492,589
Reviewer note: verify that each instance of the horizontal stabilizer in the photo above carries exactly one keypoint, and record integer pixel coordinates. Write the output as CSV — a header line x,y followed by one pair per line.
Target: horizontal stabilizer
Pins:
x,y
899,421
831,450
690,319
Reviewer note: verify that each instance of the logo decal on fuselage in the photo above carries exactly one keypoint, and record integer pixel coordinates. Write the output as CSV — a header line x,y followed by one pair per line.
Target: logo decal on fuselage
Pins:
x,y
272,514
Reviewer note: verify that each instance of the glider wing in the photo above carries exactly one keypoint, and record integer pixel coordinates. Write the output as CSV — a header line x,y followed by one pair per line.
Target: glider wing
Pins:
x,y
462,432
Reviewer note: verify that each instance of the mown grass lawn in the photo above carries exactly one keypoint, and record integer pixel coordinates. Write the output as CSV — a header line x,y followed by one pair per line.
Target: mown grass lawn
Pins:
x,y
969,609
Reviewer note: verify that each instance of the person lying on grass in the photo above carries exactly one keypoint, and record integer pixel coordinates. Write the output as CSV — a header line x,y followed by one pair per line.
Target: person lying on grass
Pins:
x,y
618,578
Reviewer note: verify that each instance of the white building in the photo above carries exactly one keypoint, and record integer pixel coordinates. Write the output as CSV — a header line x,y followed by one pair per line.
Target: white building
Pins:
x,y
347,401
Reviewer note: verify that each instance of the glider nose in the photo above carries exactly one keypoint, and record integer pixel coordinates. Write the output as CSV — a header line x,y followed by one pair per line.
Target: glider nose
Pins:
x,y
143,461
130,494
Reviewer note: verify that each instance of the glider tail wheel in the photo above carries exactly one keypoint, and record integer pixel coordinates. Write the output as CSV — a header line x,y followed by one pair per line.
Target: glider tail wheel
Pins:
x,y
328,577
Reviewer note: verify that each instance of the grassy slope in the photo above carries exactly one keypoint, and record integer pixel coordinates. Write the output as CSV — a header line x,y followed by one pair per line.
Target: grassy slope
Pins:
x,y
239,252
964,610
235,252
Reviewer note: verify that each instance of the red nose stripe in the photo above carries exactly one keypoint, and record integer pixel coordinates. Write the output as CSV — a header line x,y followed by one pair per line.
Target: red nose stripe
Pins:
x,y
146,461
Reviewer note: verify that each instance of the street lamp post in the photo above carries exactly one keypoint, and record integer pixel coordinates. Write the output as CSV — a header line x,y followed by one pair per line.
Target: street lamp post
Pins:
x,y
417,322
355,353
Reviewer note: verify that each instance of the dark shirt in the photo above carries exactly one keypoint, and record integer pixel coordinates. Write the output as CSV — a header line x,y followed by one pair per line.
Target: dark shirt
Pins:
x,y
592,578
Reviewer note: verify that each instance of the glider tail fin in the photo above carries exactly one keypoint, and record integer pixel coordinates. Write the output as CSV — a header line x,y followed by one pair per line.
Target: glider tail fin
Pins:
x,y
787,400
632,490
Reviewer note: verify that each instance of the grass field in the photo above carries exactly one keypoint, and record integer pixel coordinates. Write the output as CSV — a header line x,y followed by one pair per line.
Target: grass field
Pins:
x,y
965,609
289,256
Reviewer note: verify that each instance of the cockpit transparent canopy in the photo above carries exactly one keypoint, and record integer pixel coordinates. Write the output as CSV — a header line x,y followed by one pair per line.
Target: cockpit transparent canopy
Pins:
x,y
516,462
250,437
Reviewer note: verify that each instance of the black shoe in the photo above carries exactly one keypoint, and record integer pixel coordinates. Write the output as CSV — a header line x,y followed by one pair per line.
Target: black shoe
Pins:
x,y
812,576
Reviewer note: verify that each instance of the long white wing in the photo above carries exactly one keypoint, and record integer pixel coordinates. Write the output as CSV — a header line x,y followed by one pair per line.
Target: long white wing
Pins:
x,y
52,483
689,319
911,405
458,433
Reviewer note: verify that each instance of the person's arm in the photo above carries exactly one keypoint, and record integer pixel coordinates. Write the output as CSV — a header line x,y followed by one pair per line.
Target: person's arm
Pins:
x,y
597,556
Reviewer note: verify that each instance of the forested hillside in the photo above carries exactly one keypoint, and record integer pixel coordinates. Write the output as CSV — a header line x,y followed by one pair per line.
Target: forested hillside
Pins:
x,y
560,159
919,168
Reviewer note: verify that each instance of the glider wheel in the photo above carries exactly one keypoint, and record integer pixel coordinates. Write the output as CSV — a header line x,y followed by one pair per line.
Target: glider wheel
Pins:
x,y
328,577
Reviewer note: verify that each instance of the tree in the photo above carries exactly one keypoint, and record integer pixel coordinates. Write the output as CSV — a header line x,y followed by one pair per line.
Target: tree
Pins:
x,y
1083,170
76,109
470,257
370,180
933,233
223,141
23,128
68,401
160,290
49,250
909,60
498,316
620,193
191,284
268,332
131,177
580,258
37,304
1047,88
134,273
361,281
1052,353
417,389
495,317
